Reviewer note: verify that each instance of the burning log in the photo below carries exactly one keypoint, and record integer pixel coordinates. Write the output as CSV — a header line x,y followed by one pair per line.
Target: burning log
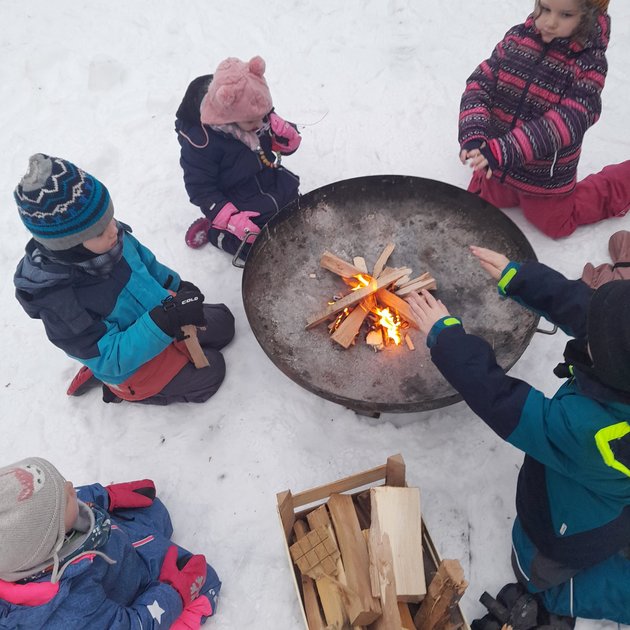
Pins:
x,y
349,328
357,296
398,304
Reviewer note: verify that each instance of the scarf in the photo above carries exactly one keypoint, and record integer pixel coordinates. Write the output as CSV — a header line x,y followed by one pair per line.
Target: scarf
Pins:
x,y
250,139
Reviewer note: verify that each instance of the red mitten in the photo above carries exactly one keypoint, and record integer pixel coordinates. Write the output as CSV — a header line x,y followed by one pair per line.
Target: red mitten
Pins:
x,y
192,615
186,575
133,494
286,138
220,222
241,221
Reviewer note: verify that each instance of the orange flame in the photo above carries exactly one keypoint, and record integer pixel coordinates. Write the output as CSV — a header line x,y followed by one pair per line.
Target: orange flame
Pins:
x,y
390,323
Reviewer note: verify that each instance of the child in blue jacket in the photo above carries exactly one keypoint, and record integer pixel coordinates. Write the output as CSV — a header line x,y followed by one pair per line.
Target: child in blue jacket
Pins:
x,y
571,537
95,557
105,299
231,143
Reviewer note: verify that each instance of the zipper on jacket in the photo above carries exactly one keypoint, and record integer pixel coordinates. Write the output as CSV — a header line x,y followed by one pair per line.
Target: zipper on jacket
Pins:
x,y
542,55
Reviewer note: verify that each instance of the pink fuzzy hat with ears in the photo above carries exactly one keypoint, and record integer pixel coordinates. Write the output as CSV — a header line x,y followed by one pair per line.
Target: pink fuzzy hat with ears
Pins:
x,y
238,92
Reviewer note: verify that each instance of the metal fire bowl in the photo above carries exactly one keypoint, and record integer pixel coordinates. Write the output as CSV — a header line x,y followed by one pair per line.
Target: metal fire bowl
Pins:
x,y
432,224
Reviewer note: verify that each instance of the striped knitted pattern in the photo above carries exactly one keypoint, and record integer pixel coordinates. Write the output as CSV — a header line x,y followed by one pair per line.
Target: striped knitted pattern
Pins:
x,y
69,207
532,103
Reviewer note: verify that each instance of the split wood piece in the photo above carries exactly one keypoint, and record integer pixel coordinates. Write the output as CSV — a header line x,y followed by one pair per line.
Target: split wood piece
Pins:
x,y
409,342
349,327
355,558
399,305
403,281
406,620
382,259
339,266
417,285
331,595
192,344
311,605
357,296
439,610
396,513
359,263
316,553
382,568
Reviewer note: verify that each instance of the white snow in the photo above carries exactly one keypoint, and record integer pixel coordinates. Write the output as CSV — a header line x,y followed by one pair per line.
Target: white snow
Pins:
x,y
98,83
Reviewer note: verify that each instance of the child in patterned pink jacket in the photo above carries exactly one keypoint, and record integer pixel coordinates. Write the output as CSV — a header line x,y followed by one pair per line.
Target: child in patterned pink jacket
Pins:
x,y
524,113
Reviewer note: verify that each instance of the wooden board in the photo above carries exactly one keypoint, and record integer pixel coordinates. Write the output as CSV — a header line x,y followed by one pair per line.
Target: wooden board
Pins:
x,y
338,265
399,305
382,259
396,513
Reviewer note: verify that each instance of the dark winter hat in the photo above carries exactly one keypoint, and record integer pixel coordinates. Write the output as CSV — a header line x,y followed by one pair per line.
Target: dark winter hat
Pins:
x,y
32,512
238,92
60,204
608,334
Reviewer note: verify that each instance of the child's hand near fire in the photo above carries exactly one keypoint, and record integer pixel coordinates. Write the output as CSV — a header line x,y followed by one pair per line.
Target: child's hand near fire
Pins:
x,y
426,309
492,262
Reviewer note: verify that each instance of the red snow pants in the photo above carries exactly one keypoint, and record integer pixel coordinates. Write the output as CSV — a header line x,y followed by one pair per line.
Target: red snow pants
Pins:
x,y
601,196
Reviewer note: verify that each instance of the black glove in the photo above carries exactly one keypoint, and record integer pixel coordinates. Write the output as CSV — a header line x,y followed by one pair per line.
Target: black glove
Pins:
x,y
184,285
186,307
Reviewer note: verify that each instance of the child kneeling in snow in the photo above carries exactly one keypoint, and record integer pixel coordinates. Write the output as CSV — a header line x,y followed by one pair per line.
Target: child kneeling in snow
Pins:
x,y
105,299
95,557
571,535
231,142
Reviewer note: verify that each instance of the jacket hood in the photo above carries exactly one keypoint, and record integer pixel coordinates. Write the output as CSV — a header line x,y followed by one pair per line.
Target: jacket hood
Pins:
x,y
188,110
597,40
34,273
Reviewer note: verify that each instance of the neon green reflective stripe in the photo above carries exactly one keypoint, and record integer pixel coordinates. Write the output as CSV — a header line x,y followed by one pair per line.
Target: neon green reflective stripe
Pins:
x,y
451,321
604,437
505,280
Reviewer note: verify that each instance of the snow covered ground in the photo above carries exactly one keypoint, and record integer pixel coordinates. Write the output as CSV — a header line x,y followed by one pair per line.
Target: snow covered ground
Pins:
x,y
98,83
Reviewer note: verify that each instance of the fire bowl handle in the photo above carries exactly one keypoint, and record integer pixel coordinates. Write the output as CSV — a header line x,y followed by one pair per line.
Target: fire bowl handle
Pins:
x,y
542,331
237,261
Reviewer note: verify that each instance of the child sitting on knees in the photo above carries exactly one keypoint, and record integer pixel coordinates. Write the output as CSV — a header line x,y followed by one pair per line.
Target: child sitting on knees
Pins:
x,y
571,535
95,557
105,299
231,143
524,114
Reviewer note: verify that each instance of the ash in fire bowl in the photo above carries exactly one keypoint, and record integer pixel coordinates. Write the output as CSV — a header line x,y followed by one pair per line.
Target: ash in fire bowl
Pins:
x,y
432,225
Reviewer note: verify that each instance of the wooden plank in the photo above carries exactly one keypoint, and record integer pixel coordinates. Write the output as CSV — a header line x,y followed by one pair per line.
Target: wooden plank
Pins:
x,y
349,327
395,471
396,513
355,558
286,512
382,259
359,263
341,485
357,296
338,265
399,305
194,348
409,342
381,563
428,283
439,609
330,594
311,604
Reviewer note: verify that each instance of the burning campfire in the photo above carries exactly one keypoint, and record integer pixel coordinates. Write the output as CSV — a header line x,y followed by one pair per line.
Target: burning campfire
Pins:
x,y
374,303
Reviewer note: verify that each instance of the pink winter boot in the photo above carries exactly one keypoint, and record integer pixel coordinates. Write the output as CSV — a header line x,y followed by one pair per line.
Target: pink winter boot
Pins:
x,y
197,233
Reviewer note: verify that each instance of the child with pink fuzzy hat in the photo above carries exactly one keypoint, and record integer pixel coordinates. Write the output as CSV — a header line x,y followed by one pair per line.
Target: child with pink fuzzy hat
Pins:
x,y
231,145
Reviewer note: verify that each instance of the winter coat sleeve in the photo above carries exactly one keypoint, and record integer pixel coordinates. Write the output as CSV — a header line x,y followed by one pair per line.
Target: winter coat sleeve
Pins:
x,y
201,168
563,125
163,274
542,289
94,493
476,102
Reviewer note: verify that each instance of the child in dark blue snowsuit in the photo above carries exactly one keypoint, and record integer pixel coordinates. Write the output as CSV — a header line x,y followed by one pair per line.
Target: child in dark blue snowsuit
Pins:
x,y
231,142
98,557
571,536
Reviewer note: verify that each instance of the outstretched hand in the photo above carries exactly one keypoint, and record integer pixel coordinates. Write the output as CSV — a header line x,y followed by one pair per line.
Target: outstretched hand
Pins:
x,y
426,310
492,262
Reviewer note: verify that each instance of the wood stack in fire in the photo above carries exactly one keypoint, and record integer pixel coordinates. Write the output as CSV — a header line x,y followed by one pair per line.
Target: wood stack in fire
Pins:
x,y
361,565
376,298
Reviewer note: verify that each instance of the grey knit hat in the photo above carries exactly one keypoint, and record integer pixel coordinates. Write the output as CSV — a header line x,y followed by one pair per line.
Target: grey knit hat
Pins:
x,y
32,511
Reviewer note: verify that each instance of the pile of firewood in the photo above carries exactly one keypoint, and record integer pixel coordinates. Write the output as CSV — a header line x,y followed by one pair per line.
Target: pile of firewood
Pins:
x,y
360,564
382,288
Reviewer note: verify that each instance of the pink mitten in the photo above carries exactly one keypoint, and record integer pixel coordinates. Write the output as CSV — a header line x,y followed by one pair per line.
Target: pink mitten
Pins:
x,y
220,222
240,221
186,575
286,138
191,616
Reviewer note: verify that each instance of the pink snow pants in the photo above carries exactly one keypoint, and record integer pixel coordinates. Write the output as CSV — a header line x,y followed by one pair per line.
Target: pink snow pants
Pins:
x,y
600,196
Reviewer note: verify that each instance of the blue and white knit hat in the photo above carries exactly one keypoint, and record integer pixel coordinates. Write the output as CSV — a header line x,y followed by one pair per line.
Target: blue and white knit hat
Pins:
x,y
60,204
